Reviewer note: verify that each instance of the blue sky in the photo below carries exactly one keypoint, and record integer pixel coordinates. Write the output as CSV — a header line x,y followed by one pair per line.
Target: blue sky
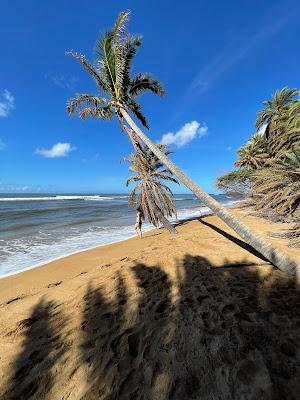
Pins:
x,y
218,61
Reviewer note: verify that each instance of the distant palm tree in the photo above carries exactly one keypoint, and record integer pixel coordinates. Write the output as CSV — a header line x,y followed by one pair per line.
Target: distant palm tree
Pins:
x,y
253,154
115,52
151,196
275,115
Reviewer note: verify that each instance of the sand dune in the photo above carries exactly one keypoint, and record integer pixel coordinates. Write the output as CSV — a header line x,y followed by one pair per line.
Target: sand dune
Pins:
x,y
198,316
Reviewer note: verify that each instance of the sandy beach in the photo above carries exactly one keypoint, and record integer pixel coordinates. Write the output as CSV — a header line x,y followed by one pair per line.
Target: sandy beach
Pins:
x,y
195,316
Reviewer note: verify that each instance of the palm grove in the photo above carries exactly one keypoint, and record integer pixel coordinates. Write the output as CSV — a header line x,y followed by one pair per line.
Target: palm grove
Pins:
x,y
269,163
118,93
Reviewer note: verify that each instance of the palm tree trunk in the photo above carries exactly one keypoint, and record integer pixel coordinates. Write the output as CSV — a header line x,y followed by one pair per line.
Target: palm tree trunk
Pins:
x,y
277,258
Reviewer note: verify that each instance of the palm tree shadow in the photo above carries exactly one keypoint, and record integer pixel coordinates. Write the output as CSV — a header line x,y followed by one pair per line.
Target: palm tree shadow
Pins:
x,y
32,375
235,337
117,351
98,325
227,235
226,334
235,240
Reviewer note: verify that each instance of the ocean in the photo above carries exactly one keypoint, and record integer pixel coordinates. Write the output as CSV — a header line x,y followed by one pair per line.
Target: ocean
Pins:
x,y
38,228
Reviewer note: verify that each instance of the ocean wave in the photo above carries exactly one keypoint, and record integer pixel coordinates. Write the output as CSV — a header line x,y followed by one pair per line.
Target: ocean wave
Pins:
x,y
58,198
185,198
28,252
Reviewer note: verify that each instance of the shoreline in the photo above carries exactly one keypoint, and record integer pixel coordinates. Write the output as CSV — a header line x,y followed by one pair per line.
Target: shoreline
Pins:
x,y
75,327
63,267
148,229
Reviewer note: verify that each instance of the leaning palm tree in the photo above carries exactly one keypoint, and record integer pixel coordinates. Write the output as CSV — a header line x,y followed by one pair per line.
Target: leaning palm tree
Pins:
x,y
150,194
115,53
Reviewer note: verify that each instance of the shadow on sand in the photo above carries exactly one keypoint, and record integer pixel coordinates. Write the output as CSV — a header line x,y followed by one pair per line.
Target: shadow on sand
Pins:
x,y
42,348
208,333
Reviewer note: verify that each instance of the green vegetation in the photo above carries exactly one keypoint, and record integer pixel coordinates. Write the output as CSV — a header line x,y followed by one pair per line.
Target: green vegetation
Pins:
x,y
269,163
115,52
118,93
237,181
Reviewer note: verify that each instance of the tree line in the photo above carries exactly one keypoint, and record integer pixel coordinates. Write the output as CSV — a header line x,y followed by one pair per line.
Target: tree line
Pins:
x,y
268,165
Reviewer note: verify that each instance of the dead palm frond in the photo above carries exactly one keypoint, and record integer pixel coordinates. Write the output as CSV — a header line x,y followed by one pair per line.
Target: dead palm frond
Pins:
x,y
150,194
293,234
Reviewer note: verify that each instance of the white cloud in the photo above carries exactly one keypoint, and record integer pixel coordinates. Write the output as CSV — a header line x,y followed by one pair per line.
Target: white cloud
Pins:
x,y
2,145
189,131
18,188
57,150
91,159
7,103
62,81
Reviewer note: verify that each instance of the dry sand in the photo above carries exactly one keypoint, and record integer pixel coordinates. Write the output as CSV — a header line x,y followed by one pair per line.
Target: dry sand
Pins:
x,y
196,316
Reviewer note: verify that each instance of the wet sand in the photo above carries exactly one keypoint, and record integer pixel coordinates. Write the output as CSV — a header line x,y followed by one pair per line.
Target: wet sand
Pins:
x,y
195,316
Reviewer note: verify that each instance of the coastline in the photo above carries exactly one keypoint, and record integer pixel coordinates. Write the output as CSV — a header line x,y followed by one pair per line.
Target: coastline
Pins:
x,y
67,266
72,325
203,211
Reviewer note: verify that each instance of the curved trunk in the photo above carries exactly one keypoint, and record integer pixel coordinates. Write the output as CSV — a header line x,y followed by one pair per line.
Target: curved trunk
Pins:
x,y
277,258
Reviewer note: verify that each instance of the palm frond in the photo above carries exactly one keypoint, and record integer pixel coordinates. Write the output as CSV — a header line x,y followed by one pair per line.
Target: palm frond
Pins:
x,y
106,58
132,179
129,49
119,28
144,82
279,185
115,52
136,109
87,105
90,69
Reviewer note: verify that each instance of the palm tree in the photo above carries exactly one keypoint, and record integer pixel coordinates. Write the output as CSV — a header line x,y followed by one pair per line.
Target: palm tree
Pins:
x,y
115,52
275,115
253,154
294,115
291,135
279,185
150,195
